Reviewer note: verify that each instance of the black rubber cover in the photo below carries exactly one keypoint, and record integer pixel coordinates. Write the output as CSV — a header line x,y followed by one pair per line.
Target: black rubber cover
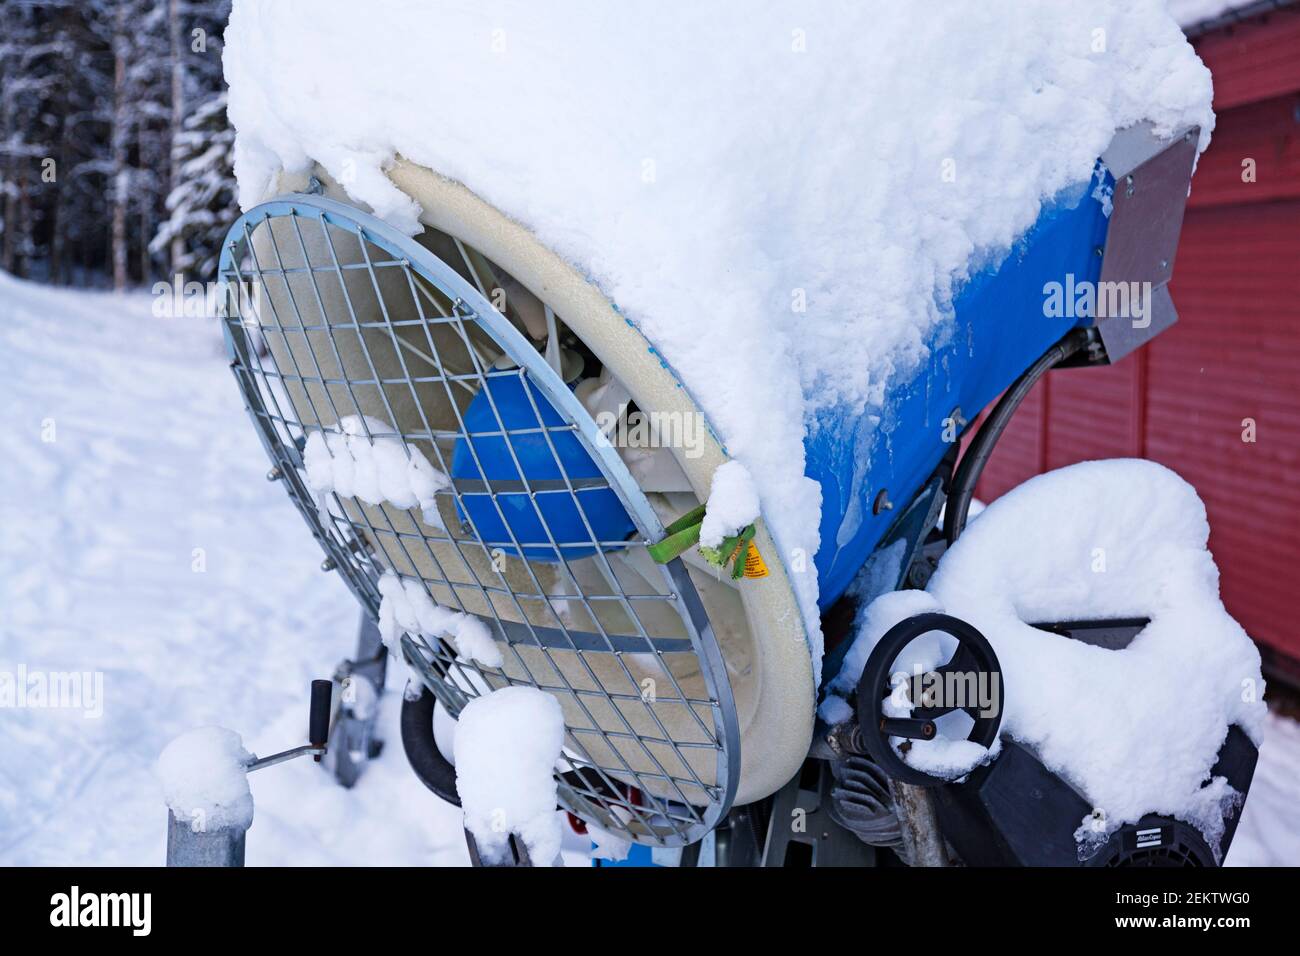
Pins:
x,y
433,769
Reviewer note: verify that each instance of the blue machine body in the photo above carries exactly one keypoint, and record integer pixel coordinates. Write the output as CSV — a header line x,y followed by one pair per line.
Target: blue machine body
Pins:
x,y
999,327
540,454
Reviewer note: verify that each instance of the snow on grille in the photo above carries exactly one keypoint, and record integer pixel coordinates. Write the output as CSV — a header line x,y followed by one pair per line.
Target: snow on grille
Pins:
x,y
342,328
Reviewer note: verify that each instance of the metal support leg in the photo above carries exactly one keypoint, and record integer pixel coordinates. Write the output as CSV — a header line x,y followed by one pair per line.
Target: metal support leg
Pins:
x,y
517,855
923,843
187,847
360,683
802,831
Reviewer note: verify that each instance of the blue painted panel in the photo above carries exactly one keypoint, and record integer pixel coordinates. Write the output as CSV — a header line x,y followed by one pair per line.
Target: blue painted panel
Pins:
x,y
999,329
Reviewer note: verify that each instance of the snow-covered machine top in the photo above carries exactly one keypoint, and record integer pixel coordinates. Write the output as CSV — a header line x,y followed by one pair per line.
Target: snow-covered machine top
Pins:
x,y
785,202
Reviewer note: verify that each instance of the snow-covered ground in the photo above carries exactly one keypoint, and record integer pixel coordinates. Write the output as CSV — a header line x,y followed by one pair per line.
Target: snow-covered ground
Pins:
x,y
153,457
126,450
1269,832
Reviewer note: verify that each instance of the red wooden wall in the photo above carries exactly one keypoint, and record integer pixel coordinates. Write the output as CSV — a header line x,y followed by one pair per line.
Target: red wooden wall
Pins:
x,y
1234,354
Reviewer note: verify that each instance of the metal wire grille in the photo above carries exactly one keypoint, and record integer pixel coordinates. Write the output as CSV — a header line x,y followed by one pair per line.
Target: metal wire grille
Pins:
x,y
332,315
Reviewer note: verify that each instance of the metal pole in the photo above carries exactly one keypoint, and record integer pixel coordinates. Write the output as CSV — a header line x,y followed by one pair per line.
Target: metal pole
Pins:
x,y
361,683
223,846
922,840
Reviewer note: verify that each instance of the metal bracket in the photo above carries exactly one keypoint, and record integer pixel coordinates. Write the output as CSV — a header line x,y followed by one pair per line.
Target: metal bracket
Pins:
x,y
1152,176
360,680
801,824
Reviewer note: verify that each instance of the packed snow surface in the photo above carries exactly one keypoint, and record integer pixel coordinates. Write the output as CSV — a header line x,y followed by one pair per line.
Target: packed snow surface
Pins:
x,y
143,544
406,607
153,456
365,458
506,744
783,199
1136,729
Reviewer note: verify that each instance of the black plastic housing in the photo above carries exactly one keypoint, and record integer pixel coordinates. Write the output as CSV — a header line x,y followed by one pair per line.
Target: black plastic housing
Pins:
x,y
1016,812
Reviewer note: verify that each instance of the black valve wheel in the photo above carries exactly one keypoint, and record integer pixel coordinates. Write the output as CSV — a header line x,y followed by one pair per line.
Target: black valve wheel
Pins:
x,y
932,694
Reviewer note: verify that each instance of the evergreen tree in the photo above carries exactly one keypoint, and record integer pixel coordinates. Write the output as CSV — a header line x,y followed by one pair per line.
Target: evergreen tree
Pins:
x,y
104,107
202,205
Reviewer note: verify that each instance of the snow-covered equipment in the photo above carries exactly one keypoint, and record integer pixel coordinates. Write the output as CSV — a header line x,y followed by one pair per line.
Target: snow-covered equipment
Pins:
x,y
449,410
506,748
463,460
204,776
608,356
1011,810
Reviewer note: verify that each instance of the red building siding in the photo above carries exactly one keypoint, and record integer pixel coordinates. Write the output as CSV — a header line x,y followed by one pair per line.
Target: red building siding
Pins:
x,y
1234,354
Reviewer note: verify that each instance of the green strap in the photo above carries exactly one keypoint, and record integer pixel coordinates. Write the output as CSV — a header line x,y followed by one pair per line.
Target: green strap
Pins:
x,y
740,551
684,533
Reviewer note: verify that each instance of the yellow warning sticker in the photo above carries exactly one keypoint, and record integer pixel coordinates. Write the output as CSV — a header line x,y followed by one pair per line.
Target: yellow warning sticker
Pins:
x,y
754,566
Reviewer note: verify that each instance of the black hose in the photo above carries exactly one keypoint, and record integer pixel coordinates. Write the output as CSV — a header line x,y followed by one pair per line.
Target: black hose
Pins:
x,y
433,769
981,448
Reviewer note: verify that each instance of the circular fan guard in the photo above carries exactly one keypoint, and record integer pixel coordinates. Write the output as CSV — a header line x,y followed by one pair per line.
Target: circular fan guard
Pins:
x,y
330,313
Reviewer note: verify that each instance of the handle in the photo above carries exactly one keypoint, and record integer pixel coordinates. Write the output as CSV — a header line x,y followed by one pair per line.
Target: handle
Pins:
x,y
318,723
973,656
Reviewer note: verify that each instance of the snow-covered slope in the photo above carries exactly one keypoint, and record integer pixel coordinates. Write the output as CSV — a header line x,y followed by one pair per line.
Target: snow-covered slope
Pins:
x,y
153,457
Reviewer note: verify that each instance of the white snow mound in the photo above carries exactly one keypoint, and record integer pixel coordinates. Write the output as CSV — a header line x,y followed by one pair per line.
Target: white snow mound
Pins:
x,y
1137,730
204,775
733,504
507,743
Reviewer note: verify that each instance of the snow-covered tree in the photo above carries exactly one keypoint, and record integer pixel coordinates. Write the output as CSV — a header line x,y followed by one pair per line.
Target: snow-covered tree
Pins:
x,y
103,104
202,204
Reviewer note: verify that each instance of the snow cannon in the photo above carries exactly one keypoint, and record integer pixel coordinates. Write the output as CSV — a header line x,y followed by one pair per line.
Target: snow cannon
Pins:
x,y
453,410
